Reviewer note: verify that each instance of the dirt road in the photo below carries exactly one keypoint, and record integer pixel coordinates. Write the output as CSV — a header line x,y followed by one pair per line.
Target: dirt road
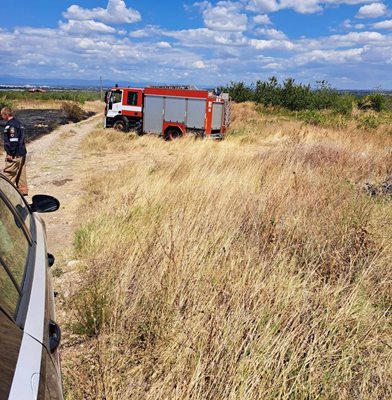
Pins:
x,y
57,167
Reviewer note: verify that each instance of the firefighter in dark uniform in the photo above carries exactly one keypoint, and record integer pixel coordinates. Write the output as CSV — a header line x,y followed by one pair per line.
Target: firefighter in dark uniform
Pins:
x,y
14,146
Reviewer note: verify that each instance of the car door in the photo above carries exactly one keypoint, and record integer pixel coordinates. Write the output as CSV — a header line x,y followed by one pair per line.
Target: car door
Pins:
x,y
16,246
26,303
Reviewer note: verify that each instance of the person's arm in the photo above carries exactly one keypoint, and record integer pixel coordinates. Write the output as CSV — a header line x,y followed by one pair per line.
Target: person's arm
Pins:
x,y
13,135
7,145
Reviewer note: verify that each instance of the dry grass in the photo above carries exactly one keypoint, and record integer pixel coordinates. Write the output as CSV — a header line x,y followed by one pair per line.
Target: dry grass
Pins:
x,y
254,268
96,106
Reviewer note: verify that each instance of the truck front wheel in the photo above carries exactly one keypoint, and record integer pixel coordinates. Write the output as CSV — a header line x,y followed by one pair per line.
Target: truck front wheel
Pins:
x,y
121,125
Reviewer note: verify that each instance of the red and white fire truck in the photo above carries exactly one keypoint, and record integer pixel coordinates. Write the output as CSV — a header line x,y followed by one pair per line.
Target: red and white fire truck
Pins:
x,y
169,111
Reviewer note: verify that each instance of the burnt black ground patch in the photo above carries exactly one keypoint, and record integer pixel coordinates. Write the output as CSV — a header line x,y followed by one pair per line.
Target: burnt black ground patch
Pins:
x,y
39,122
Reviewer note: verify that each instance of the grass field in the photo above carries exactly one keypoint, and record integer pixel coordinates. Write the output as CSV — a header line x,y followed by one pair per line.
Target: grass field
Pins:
x,y
253,268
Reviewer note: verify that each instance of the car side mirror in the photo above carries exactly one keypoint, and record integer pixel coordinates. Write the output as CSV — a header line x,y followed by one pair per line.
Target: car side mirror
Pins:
x,y
43,203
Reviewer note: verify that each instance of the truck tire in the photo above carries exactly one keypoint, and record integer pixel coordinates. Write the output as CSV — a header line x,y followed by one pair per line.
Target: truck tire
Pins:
x,y
172,134
121,125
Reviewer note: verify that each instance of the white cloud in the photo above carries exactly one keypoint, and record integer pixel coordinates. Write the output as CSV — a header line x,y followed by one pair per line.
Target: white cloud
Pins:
x,y
84,27
199,64
163,45
341,43
206,38
272,33
329,56
347,24
300,6
262,19
225,16
271,44
115,13
378,54
263,6
383,24
147,31
373,10
356,37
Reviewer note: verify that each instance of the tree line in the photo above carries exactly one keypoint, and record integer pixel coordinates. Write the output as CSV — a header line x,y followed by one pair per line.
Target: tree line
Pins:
x,y
297,96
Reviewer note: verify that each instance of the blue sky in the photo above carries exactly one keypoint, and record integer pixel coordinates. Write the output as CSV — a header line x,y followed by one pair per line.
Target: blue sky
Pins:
x,y
346,42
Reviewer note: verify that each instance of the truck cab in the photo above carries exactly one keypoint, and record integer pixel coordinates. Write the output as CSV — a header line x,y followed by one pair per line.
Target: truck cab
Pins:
x,y
124,109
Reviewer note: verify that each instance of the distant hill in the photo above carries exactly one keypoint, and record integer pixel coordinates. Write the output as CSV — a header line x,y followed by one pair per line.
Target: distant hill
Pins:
x,y
15,83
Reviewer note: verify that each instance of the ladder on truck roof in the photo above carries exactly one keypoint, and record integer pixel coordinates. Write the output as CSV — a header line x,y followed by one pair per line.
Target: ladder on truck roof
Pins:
x,y
174,87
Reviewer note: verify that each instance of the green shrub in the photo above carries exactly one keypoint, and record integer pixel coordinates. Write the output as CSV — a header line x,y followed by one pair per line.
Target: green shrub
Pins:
x,y
5,102
312,117
268,92
240,92
368,122
292,96
374,101
324,96
343,104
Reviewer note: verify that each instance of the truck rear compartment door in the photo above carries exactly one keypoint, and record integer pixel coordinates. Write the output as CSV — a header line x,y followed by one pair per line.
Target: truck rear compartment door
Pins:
x,y
217,115
153,114
196,113
175,109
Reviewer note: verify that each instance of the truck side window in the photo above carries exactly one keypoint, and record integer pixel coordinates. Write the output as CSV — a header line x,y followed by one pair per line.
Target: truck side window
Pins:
x,y
132,98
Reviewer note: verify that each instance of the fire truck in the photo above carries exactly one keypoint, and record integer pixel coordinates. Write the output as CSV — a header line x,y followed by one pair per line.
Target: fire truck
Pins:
x,y
169,111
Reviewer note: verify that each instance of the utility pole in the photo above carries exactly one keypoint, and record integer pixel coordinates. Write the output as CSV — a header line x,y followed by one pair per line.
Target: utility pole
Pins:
x,y
100,80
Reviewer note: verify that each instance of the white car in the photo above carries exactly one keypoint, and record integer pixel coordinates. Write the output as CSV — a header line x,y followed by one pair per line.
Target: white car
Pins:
x,y
29,335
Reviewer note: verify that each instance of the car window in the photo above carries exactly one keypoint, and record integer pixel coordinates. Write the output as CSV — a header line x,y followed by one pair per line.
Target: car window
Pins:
x,y
10,339
9,295
14,246
16,200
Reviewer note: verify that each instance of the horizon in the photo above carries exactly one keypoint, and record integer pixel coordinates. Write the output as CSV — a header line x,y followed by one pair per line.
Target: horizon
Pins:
x,y
77,84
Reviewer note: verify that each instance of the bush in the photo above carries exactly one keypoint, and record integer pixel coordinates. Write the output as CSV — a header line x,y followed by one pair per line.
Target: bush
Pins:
x,y
268,92
73,111
292,96
312,117
374,101
239,92
295,97
369,122
324,96
343,104
5,102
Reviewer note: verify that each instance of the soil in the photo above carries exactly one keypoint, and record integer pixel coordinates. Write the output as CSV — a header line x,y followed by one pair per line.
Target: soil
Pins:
x,y
55,166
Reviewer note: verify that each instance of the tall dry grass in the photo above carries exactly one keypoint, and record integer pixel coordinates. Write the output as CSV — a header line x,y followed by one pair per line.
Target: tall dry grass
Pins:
x,y
254,268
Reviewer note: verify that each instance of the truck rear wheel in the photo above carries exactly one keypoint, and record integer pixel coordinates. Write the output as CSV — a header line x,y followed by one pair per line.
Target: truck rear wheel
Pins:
x,y
172,134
